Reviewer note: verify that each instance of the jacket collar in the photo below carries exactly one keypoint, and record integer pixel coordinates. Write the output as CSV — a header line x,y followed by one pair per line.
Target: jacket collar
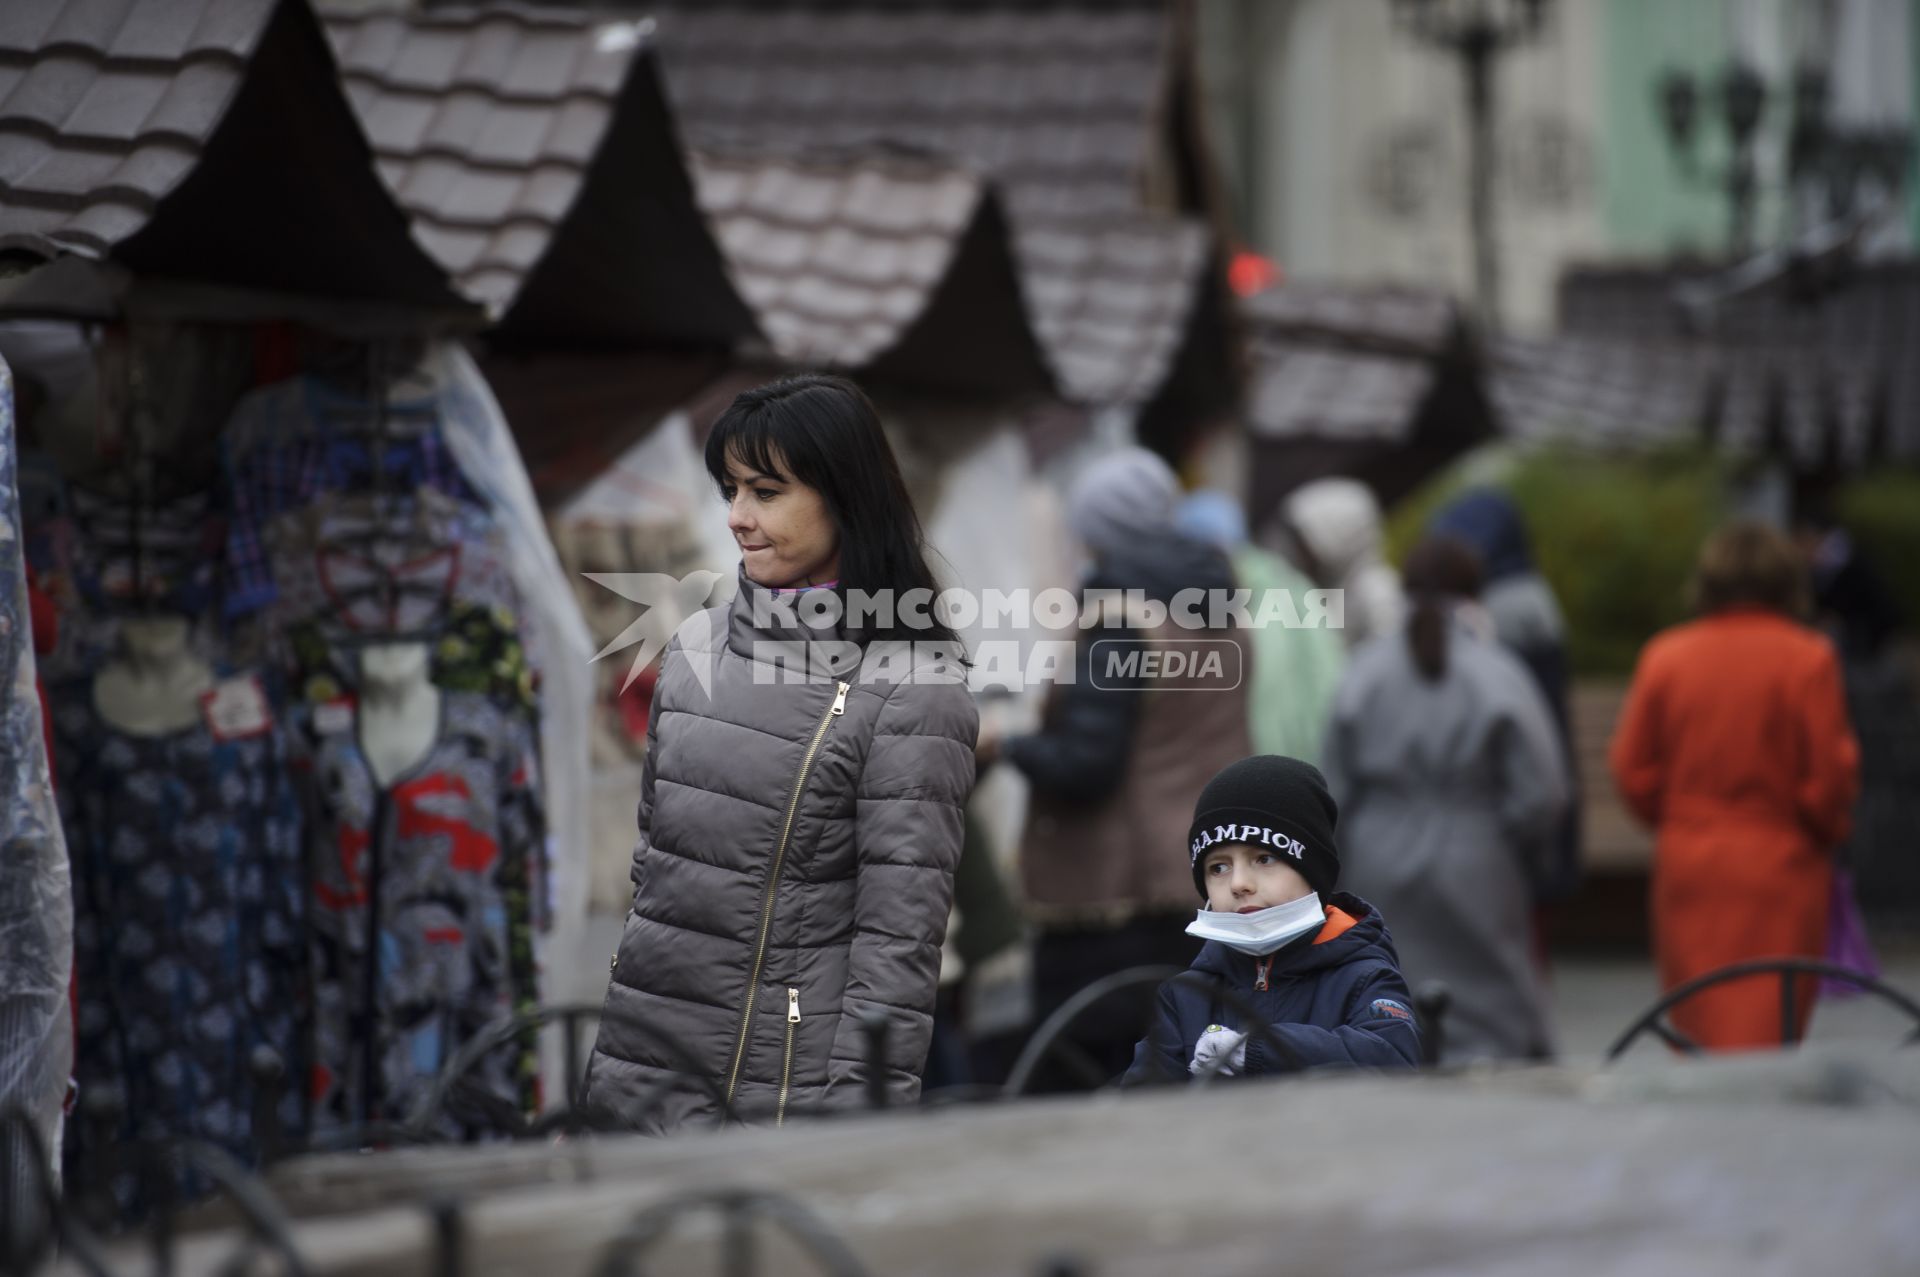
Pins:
x,y
772,628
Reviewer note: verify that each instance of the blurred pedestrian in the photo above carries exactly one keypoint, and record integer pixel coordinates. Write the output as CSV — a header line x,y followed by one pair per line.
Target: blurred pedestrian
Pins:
x,y
1334,527
1295,668
1850,599
1527,619
1734,745
1119,760
1443,757
1315,964
798,836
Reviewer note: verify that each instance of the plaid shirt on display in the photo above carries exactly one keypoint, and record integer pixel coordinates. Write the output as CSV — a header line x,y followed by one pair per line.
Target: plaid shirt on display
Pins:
x,y
295,442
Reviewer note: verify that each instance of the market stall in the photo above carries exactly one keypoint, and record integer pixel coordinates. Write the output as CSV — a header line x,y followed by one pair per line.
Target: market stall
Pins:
x,y
312,641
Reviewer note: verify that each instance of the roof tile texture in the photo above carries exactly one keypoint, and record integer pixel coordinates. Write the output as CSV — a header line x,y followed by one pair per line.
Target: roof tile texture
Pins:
x,y
1055,106
105,105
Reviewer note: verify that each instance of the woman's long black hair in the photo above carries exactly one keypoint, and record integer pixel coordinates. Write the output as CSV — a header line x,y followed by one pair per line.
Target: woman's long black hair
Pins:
x,y
823,431
1439,572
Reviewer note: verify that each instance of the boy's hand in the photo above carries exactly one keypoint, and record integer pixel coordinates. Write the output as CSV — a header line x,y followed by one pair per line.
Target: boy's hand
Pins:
x,y
1229,1046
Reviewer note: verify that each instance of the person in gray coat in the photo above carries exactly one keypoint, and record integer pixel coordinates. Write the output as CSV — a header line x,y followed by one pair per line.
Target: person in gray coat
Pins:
x,y
808,758
1442,756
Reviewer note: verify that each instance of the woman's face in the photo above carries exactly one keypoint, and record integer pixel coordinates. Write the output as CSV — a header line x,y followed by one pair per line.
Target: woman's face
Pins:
x,y
785,534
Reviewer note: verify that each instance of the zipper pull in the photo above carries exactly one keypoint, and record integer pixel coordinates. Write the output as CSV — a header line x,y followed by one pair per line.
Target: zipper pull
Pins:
x,y
1261,970
840,700
793,1006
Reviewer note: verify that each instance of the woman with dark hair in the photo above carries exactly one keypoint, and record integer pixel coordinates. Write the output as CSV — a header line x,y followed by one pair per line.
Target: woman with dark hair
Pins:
x,y
809,752
1442,757
1734,746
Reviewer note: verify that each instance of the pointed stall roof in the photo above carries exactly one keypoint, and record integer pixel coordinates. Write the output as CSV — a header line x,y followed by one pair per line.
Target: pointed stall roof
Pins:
x,y
534,149
1057,108
876,261
205,141
1385,384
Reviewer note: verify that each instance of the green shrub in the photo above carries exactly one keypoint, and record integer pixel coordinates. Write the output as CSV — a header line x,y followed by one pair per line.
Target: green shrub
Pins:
x,y
1615,537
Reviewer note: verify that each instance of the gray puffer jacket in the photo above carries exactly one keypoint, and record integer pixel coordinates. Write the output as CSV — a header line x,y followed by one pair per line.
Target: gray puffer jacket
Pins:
x,y
798,838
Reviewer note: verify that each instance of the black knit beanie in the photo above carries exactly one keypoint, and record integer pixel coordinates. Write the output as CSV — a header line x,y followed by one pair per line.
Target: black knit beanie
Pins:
x,y
1275,802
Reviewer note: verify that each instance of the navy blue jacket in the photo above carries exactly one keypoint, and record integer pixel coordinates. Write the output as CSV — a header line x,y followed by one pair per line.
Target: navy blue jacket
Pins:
x,y
1337,999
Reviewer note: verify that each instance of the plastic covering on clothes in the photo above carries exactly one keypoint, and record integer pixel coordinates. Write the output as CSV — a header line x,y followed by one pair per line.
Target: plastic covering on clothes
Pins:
x,y
557,641
653,511
36,903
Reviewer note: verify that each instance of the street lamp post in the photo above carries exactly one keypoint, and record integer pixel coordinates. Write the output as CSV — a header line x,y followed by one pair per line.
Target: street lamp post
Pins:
x,y
1821,156
1476,32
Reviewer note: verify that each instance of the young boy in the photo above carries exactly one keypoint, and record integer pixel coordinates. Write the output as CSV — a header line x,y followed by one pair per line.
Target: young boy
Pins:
x,y
1318,966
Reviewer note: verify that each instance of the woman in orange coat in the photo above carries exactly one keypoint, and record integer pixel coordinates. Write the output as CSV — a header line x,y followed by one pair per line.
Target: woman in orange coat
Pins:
x,y
1734,745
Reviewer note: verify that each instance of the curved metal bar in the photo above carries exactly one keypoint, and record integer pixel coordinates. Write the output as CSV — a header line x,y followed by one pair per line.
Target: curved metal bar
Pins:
x,y
622,1257
419,1123
1042,1043
1785,968
475,1049
266,1222
1675,1038
74,1240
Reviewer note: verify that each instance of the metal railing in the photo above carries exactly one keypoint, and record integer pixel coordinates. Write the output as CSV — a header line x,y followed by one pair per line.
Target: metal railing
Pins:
x,y
1789,971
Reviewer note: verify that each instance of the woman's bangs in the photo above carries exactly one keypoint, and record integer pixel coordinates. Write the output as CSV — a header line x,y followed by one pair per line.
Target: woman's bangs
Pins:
x,y
747,438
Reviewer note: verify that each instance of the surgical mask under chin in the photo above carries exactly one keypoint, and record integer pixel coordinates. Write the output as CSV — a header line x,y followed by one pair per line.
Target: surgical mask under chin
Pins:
x,y
1259,933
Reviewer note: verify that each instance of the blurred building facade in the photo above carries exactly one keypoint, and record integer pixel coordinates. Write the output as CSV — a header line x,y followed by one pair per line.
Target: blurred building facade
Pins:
x,y
1343,140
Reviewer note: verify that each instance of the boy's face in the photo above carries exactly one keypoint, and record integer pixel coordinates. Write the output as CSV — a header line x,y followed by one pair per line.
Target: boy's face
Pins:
x,y
1242,877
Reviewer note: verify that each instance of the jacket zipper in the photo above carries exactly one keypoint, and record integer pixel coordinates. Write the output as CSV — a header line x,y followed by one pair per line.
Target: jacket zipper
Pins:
x,y
1261,970
786,1067
838,708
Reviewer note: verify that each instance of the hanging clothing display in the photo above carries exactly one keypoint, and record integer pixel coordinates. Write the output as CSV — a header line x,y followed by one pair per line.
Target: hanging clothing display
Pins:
x,y
292,442
424,565
36,910
188,938
110,551
425,900
476,650
264,889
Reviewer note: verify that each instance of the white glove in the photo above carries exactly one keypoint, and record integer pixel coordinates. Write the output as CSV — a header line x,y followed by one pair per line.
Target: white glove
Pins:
x,y
1219,1043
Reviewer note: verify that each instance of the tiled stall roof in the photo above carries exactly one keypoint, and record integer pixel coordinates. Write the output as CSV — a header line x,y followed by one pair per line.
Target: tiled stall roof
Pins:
x,y
1057,104
1388,318
1351,363
1385,384
534,150
203,140
1112,298
1300,391
1602,393
1826,382
874,260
